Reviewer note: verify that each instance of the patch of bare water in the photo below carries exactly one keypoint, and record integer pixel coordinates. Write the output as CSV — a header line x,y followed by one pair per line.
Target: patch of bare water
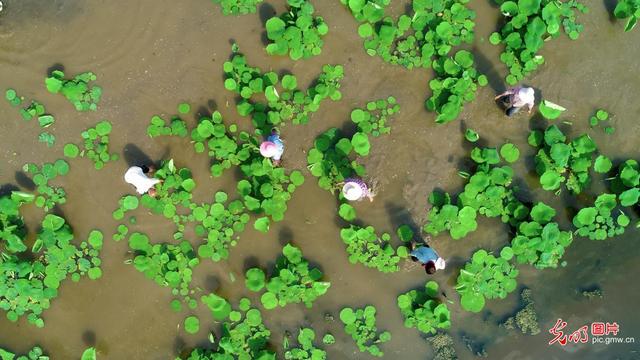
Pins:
x,y
151,55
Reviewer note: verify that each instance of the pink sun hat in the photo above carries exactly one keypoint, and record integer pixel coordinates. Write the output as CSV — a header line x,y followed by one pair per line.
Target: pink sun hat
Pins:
x,y
268,149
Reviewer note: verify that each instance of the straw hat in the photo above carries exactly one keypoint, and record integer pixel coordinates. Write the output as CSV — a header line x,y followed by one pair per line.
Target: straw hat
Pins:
x,y
352,191
268,149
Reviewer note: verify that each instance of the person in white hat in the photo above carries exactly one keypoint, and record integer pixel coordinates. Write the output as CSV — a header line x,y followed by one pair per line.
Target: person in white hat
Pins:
x,y
272,148
137,176
356,190
517,98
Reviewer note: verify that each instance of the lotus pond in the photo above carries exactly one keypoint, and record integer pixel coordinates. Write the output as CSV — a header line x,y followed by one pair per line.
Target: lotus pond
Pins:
x,y
536,215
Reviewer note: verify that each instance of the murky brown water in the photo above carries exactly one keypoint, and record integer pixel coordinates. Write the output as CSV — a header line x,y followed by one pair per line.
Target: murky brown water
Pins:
x,y
151,55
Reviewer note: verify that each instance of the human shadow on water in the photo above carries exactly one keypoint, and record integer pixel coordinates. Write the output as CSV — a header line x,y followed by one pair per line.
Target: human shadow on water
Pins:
x,y
266,12
179,347
400,215
89,338
285,235
134,156
485,66
250,262
6,189
211,283
205,111
23,180
610,5
55,67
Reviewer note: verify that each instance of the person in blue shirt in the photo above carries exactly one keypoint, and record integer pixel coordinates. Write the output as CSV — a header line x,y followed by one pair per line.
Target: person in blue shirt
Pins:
x,y
272,148
428,258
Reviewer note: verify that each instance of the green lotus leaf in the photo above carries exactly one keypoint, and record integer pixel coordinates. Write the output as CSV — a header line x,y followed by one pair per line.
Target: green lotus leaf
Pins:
x,y
550,110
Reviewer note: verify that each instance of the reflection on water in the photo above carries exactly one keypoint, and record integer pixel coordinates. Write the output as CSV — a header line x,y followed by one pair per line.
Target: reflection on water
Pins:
x,y
151,55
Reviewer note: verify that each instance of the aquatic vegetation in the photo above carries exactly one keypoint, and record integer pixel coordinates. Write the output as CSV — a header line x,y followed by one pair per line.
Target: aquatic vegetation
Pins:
x,y
223,146
600,116
47,138
627,183
488,192
306,349
168,265
329,159
285,102
219,306
76,90
447,217
175,189
455,84
13,98
243,338
372,120
96,145
267,189
87,354
365,246
328,339
296,32
471,135
540,242
421,309
486,276
628,9
526,319
158,127
443,347
412,40
293,281
219,223
559,162
28,284
528,24
238,7
599,222
126,203
36,353
191,324
549,110
48,196
361,325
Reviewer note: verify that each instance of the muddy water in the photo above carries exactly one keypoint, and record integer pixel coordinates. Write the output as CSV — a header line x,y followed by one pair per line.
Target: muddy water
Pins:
x,y
151,55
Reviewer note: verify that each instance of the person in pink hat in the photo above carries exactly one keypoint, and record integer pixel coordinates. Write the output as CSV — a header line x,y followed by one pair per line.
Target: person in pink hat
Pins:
x,y
272,148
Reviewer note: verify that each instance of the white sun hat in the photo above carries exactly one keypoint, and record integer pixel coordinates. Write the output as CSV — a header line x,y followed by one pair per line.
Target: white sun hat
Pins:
x,y
352,191
268,149
527,95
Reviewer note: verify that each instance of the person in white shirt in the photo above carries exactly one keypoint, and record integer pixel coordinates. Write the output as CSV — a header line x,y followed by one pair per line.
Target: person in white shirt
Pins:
x,y
517,98
137,176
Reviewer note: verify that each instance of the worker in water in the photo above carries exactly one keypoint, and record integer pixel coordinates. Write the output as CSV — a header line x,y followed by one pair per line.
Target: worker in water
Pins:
x,y
138,176
516,98
356,190
272,148
428,258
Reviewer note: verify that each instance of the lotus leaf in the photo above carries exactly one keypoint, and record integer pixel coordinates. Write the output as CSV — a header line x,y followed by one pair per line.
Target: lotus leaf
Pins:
x,y
245,338
485,276
76,90
306,349
527,25
599,222
628,9
296,32
421,309
293,281
361,325
370,249
558,162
